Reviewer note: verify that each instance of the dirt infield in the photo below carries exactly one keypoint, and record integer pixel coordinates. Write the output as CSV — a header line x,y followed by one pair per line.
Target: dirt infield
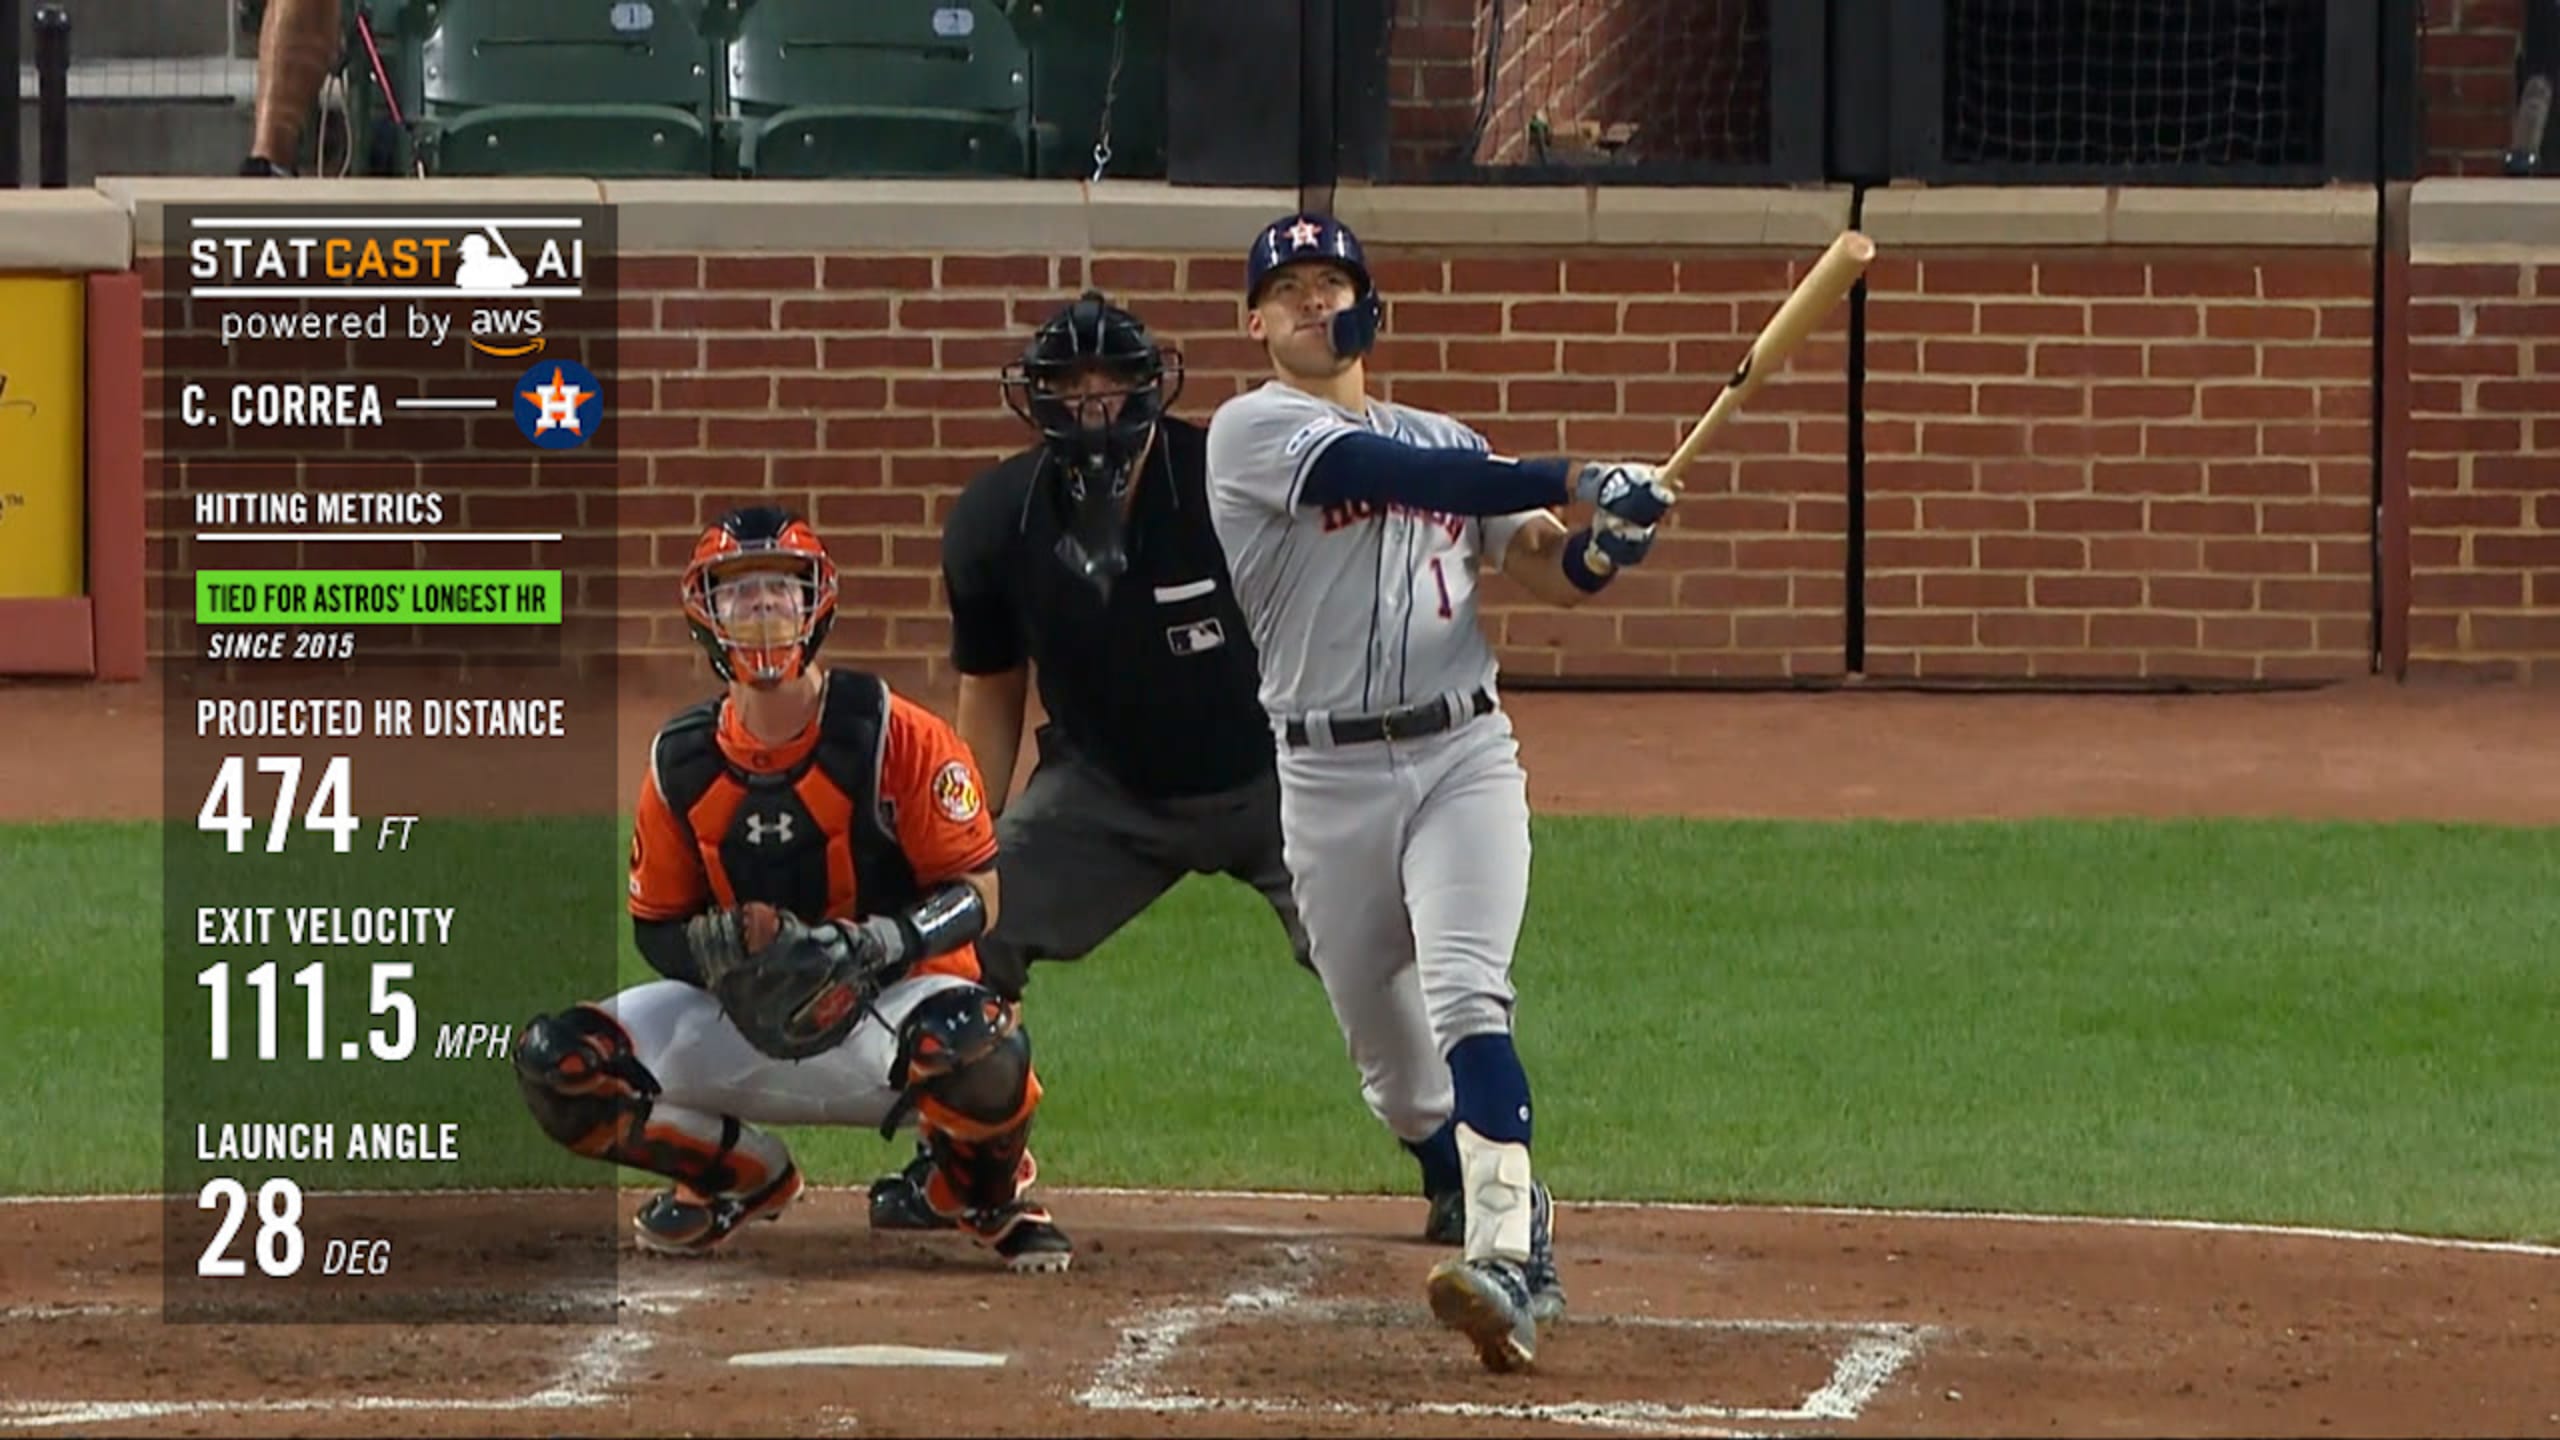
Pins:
x,y
1299,1316
1192,1315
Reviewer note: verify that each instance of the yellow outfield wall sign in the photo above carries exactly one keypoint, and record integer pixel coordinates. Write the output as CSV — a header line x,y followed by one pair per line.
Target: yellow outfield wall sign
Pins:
x,y
43,437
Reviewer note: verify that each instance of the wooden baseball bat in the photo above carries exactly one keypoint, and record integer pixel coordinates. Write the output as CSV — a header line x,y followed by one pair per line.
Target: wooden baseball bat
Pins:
x,y
1822,288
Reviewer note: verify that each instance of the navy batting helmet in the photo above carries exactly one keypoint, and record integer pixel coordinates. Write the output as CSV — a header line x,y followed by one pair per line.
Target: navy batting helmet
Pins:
x,y
1319,237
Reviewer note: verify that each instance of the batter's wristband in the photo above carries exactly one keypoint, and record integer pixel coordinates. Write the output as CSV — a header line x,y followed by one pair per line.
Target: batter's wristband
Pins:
x,y
1577,564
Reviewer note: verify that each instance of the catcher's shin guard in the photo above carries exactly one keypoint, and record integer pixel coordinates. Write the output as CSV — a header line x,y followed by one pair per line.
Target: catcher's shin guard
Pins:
x,y
588,1091
965,1060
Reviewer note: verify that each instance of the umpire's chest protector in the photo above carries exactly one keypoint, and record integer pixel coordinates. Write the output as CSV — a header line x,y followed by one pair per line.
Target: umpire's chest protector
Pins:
x,y
813,838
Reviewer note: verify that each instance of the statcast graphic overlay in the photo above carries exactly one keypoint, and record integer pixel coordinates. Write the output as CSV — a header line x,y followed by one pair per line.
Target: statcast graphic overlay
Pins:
x,y
385,525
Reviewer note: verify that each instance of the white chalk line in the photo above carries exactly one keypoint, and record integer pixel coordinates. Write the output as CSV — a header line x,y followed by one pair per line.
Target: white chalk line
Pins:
x,y
1876,1351
590,1376
1860,1212
1668,1207
48,1311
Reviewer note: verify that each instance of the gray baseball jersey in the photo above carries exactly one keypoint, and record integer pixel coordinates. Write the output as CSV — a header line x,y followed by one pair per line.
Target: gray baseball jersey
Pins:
x,y
1356,608
1409,858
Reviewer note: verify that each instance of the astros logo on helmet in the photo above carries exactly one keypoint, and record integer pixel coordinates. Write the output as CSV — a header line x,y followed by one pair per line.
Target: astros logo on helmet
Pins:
x,y
1293,238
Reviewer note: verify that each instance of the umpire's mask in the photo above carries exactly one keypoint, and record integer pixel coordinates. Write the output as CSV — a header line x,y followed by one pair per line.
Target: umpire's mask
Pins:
x,y
1093,383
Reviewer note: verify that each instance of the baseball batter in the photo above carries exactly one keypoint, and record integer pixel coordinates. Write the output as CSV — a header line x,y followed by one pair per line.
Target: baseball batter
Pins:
x,y
1355,530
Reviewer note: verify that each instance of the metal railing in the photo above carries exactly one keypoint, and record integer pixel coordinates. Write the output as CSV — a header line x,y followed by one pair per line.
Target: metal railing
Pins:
x,y
2529,147
51,73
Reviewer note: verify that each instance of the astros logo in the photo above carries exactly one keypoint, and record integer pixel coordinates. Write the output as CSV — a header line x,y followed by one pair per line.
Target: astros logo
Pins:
x,y
1305,234
955,793
558,405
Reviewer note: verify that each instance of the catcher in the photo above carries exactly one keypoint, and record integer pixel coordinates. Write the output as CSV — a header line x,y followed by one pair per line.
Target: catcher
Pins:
x,y
810,868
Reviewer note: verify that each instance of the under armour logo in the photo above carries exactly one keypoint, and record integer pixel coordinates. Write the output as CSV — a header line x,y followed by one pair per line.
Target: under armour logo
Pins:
x,y
777,826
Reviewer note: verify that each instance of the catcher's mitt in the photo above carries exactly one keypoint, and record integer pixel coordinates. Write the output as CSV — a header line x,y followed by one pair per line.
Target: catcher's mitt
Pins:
x,y
793,990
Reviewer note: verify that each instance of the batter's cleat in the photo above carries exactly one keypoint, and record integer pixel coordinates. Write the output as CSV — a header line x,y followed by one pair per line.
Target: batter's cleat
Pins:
x,y
1447,1224
684,1222
898,1203
1030,1242
1546,1292
1488,1302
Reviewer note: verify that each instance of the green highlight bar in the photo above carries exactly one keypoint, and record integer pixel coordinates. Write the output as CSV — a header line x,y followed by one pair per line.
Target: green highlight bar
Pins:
x,y
377,597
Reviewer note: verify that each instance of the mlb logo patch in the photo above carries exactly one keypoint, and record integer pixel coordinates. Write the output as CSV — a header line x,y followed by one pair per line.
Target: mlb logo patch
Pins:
x,y
1196,637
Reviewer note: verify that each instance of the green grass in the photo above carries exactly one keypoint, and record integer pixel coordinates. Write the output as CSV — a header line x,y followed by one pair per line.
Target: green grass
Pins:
x,y
2327,1024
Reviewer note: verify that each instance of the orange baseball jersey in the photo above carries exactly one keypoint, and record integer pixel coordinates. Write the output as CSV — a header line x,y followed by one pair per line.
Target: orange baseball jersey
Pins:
x,y
862,813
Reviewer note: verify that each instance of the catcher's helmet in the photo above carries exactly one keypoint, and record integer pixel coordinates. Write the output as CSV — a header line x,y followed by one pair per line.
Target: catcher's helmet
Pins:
x,y
1319,237
759,630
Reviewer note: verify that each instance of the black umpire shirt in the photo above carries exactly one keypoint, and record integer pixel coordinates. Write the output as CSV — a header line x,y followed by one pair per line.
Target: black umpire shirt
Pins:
x,y
1158,686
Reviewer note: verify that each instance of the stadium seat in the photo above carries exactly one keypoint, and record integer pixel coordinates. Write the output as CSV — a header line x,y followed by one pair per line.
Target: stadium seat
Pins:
x,y
819,88
508,88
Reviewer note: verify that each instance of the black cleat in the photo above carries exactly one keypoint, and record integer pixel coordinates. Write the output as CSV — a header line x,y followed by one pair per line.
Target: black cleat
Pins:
x,y
1447,1224
670,1224
898,1203
1026,1237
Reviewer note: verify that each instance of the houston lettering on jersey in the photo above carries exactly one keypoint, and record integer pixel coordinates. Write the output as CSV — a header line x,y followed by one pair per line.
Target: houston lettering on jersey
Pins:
x,y
1354,512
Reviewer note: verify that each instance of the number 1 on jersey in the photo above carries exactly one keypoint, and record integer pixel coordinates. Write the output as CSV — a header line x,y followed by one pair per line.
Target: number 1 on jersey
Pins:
x,y
1441,579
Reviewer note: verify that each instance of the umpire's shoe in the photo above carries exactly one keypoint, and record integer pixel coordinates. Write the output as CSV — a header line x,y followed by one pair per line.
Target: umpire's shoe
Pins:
x,y
685,1222
1488,1302
898,1203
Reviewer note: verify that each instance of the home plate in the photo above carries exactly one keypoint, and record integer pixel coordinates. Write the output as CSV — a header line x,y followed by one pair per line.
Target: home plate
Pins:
x,y
872,1357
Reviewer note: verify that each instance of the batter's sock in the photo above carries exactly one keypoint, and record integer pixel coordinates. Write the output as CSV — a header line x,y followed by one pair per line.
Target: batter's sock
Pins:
x,y
1493,1091
1441,1171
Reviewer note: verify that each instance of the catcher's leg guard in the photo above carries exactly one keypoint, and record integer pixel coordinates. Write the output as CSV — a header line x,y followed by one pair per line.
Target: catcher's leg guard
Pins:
x,y
965,1061
589,1091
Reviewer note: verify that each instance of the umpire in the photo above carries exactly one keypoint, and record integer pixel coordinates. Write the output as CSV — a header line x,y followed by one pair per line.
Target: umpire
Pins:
x,y
1089,559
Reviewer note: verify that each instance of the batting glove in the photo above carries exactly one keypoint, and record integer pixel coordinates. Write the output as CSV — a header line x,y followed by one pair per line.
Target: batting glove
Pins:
x,y
1625,490
1624,544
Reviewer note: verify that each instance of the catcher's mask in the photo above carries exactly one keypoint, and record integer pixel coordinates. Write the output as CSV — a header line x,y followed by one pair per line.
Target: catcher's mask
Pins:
x,y
760,595
1094,383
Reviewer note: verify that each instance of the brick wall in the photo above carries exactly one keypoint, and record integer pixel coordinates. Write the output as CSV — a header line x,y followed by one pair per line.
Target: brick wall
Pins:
x,y
1434,72
2090,450
2102,465
2120,463
1690,75
2467,60
880,400
2484,470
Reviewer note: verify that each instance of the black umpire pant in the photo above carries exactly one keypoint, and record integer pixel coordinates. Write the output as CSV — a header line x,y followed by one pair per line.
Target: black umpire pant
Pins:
x,y
1079,855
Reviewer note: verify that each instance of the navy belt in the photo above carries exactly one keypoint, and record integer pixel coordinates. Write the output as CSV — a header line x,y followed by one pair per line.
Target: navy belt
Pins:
x,y
1409,723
